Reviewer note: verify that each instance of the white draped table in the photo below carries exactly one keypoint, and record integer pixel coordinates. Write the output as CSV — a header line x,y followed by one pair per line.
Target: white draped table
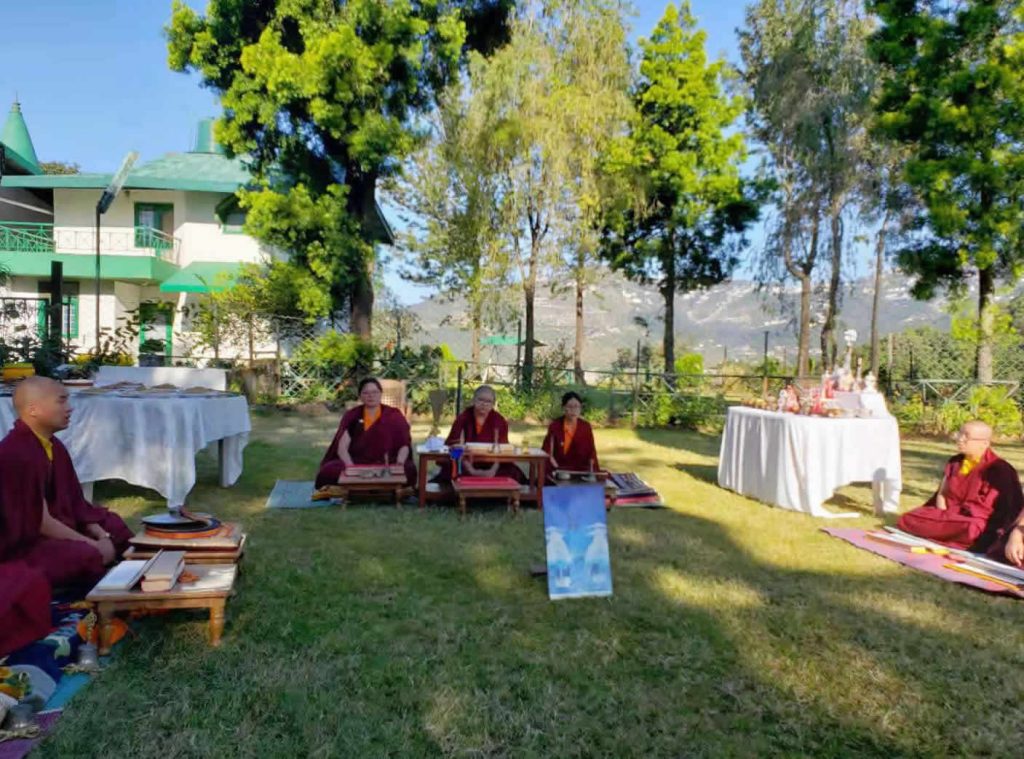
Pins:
x,y
798,462
151,441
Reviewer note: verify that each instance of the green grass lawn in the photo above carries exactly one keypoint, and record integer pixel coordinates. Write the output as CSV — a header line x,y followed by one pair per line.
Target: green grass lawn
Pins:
x,y
735,630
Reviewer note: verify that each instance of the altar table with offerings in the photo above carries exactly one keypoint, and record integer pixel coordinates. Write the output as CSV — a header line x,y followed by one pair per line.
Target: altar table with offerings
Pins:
x,y
534,458
797,462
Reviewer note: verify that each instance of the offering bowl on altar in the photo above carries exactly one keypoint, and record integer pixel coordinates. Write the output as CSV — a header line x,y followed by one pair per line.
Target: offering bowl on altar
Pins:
x,y
589,478
563,475
19,717
89,657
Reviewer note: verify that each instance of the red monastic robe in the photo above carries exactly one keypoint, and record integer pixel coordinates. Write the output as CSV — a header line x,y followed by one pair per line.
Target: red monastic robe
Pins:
x,y
980,506
581,449
28,479
385,437
24,606
465,424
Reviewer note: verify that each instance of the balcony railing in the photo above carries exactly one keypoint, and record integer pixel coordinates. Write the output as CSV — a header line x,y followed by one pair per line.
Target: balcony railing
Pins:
x,y
33,237
26,237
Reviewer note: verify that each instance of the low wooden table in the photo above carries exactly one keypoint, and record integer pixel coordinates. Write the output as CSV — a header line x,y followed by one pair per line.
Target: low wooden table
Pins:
x,y
216,583
391,485
535,458
487,487
601,476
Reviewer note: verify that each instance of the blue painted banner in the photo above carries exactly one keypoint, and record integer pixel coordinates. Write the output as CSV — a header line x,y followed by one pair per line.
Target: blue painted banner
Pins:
x,y
576,534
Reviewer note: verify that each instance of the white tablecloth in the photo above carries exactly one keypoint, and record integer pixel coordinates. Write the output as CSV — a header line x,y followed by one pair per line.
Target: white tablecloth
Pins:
x,y
151,442
797,462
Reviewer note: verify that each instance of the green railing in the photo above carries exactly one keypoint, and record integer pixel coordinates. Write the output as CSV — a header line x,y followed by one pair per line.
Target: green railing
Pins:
x,y
26,237
163,245
33,237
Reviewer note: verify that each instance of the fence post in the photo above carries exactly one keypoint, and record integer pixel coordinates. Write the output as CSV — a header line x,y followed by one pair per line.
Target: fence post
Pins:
x,y
764,368
636,394
458,391
611,400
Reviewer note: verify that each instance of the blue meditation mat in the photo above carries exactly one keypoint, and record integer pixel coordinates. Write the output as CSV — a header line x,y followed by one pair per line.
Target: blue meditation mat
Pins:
x,y
69,686
294,494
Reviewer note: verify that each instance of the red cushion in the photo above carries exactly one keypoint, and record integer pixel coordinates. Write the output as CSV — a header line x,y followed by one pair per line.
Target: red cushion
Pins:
x,y
486,483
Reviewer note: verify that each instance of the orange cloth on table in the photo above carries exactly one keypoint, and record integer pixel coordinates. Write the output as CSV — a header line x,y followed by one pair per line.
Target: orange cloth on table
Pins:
x,y
369,419
119,628
569,430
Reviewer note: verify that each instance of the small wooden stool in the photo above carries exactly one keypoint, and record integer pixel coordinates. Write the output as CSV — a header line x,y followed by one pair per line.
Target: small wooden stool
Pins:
x,y
212,589
487,487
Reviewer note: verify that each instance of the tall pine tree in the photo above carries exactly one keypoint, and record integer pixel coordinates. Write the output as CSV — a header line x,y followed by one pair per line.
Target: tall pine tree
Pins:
x,y
953,96
683,223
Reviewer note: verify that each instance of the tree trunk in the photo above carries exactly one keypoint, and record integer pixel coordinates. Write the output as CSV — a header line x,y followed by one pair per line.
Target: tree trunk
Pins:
x,y
828,328
577,353
804,340
528,294
361,205
983,371
476,321
803,275
668,292
877,300
361,311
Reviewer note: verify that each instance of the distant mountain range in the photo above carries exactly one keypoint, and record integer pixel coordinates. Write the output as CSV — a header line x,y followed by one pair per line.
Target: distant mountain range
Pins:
x,y
731,317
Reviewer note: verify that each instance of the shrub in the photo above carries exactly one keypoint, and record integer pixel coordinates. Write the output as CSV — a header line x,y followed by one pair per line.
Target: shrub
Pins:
x,y
995,407
334,353
690,370
910,414
699,412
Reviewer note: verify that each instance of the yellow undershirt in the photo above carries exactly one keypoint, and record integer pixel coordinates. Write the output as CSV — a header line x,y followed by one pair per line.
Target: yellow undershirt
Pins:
x,y
47,445
967,466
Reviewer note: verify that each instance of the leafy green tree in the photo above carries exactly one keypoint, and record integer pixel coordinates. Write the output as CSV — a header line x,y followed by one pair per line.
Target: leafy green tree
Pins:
x,y
60,167
593,76
810,85
323,98
682,225
245,313
451,241
953,95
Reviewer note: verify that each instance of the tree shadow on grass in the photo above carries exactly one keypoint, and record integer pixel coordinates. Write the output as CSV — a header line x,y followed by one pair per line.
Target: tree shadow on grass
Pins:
x,y
417,634
375,632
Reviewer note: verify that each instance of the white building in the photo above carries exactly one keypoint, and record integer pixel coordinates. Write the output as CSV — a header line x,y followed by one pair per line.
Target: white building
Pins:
x,y
173,232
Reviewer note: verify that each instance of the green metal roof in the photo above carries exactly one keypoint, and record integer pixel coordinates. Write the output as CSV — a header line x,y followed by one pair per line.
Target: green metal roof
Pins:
x,y
16,139
202,277
499,340
197,172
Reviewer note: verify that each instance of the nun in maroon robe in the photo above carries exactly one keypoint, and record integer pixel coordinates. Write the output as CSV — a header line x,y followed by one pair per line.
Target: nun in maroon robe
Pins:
x,y
36,474
480,423
570,439
978,501
374,431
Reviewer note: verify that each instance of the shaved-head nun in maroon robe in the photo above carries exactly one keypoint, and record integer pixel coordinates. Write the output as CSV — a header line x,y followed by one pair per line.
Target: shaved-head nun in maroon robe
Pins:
x,y
48,524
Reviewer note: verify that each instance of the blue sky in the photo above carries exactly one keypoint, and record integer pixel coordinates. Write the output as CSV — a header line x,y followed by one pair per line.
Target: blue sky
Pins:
x,y
93,81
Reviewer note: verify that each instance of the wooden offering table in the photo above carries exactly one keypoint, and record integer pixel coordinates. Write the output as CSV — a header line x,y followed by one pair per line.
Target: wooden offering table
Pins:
x,y
487,487
564,478
369,481
210,591
536,459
